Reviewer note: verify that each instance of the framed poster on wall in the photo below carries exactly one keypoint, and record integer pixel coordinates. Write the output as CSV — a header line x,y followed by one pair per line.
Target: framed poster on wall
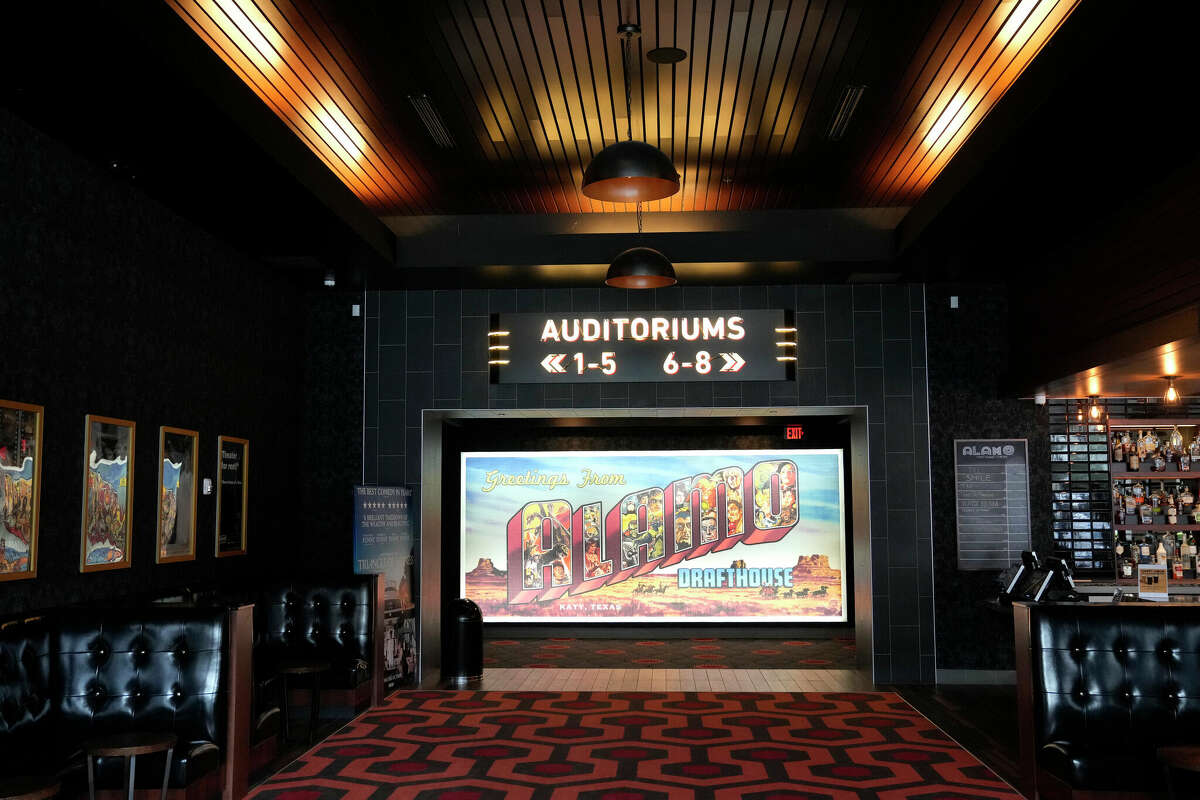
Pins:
x,y
233,469
20,488
107,493
680,536
177,468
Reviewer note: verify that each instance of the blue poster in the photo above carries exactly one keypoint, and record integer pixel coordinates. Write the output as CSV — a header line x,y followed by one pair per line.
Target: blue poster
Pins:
x,y
384,521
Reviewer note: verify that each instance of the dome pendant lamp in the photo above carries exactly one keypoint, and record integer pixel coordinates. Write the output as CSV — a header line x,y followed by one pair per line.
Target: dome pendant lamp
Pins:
x,y
640,267
629,171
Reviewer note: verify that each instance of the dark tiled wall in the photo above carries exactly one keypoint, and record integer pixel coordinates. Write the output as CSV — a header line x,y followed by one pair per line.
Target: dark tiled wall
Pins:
x,y
968,357
858,345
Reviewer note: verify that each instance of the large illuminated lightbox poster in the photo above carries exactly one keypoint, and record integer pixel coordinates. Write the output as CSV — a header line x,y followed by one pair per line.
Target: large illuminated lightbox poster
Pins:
x,y
692,536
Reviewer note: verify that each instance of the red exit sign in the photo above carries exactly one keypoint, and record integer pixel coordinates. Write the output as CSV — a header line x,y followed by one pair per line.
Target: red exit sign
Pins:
x,y
795,432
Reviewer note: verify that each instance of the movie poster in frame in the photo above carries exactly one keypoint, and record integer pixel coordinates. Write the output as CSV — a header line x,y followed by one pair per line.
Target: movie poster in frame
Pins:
x,y
107,494
20,488
177,469
233,469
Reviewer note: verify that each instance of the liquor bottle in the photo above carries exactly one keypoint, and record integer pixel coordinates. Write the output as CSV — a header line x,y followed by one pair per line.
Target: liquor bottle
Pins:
x,y
1172,515
1185,498
1160,553
1189,559
1118,449
1185,461
1176,439
1144,551
1133,458
1126,557
1177,570
1194,448
1146,514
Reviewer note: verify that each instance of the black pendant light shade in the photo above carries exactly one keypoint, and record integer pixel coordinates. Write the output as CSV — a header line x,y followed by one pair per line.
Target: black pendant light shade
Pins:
x,y
630,172
640,268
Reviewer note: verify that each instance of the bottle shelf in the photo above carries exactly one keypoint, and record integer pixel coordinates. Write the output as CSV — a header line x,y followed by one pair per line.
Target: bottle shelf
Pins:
x,y
1163,527
1148,474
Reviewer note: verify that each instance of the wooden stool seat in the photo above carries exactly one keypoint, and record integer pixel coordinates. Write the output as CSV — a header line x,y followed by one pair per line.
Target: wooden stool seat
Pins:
x,y
29,787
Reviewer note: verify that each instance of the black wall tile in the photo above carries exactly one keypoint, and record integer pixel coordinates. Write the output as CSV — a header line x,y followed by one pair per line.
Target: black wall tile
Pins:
x,y
810,298
558,300
901,491
896,322
839,319
868,339
420,344
475,303
392,371
531,395
753,297
755,394
475,390
447,317
371,351
586,395
810,340
447,372
899,424
868,386
866,297
902,538
420,304
839,367
531,300
585,300
612,299
897,370
781,296
372,304
810,386
371,403
420,396
502,301
391,435
392,471
700,298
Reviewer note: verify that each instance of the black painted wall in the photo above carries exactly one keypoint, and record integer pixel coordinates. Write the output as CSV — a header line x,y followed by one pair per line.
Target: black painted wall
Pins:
x,y
968,359
113,305
858,345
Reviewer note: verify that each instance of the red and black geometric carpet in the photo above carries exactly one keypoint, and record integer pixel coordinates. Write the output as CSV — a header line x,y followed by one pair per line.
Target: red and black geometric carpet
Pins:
x,y
702,653
442,745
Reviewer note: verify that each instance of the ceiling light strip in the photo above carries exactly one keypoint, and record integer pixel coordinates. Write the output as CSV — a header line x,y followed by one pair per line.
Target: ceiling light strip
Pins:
x,y
998,80
973,97
279,51
993,47
339,89
260,76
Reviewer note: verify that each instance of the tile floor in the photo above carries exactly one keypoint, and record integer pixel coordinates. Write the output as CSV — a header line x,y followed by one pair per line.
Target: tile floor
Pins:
x,y
686,680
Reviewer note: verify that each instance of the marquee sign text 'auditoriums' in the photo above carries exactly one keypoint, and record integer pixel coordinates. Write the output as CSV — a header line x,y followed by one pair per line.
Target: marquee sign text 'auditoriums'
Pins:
x,y
649,346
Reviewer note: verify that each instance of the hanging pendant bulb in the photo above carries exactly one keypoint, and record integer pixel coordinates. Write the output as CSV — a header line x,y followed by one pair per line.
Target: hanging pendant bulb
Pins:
x,y
1172,395
629,171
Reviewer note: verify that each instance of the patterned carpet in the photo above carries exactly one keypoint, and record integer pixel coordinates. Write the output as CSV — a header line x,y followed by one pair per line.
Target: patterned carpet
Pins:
x,y
567,653
441,745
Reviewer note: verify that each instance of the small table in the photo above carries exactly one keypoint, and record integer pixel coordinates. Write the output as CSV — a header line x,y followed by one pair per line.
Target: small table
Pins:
x,y
129,746
1182,756
29,787
302,666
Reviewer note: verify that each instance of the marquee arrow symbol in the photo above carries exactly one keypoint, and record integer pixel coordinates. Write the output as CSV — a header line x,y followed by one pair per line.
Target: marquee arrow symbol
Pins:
x,y
553,362
733,362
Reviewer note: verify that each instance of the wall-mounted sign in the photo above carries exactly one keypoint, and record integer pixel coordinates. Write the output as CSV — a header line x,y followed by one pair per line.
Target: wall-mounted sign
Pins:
x,y
641,347
991,490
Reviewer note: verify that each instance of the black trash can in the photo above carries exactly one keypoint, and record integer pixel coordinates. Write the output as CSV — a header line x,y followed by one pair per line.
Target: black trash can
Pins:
x,y
463,659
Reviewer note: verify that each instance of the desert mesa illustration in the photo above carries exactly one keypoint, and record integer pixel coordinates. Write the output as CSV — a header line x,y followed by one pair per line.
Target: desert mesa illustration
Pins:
x,y
816,591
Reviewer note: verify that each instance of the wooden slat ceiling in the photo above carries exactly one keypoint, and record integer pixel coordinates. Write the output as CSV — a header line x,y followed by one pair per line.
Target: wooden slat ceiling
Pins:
x,y
531,90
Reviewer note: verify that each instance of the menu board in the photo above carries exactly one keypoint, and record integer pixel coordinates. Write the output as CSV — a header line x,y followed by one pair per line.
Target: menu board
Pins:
x,y
991,491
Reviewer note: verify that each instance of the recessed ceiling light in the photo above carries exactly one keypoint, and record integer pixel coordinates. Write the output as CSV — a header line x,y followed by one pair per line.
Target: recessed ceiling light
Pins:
x,y
666,55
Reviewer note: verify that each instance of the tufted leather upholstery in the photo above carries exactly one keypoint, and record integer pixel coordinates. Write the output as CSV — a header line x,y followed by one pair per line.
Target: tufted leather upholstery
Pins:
x,y
88,674
26,702
1111,684
329,620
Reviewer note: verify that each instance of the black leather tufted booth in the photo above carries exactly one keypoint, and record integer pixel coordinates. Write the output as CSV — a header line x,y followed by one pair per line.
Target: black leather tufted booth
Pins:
x,y
78,674
328,620
1103,686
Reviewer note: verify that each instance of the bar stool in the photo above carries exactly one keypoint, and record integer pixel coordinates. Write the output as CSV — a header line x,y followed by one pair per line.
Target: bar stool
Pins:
x,y
302,666
29,787
1181,757
129,746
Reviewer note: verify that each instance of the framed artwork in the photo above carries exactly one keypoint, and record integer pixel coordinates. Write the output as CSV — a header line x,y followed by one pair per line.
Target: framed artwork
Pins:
x,y
177,469
233,468
107,493
20,488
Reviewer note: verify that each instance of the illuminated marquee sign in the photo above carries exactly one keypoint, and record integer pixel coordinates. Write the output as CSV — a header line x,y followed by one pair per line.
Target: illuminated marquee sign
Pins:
x,y
642,346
